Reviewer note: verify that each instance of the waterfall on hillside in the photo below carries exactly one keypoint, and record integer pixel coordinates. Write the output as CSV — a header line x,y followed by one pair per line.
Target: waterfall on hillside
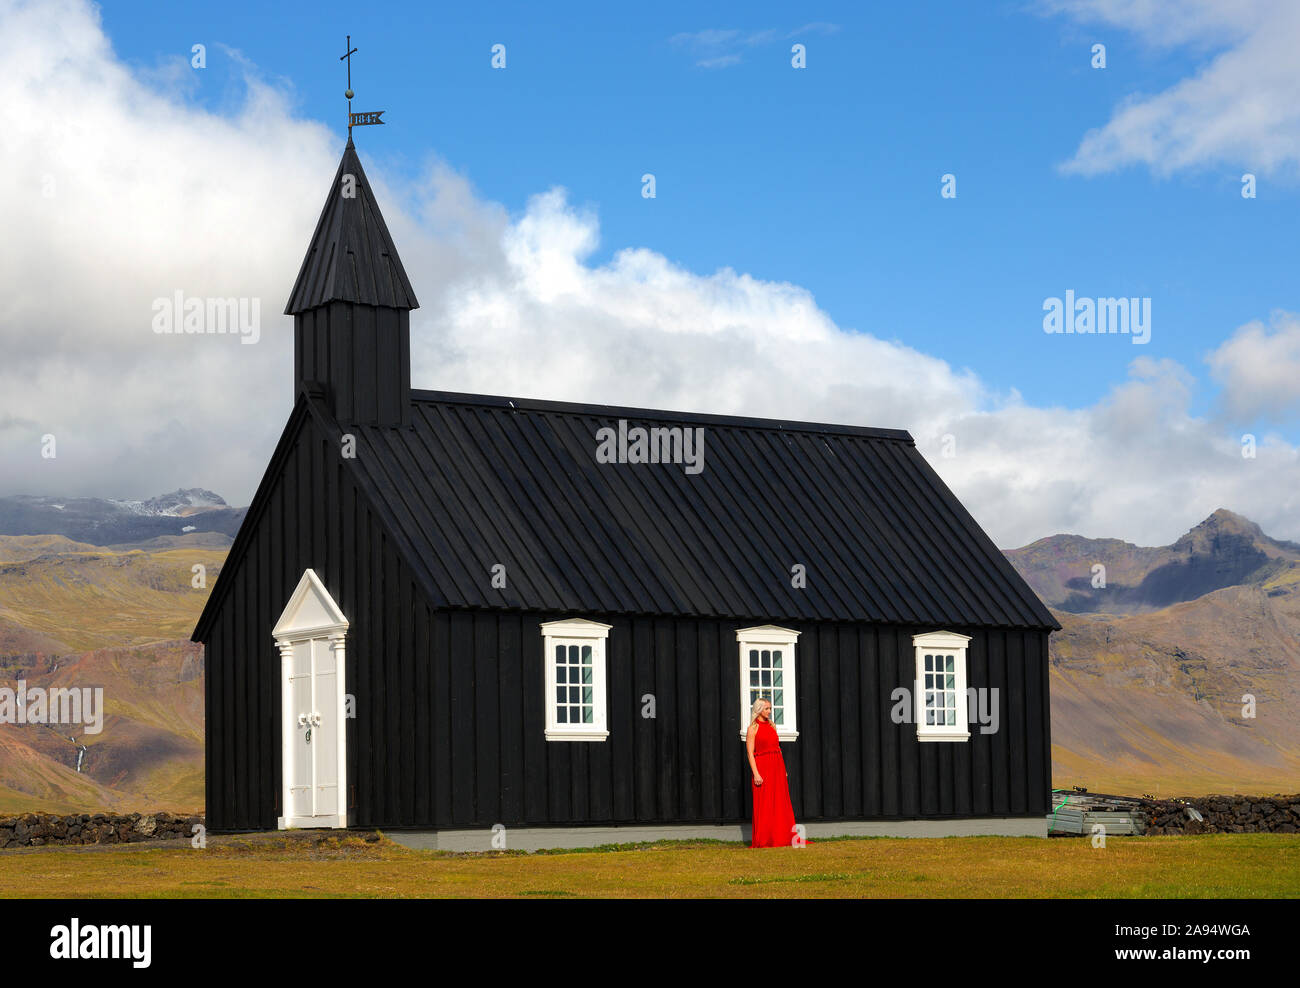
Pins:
x,y
81,751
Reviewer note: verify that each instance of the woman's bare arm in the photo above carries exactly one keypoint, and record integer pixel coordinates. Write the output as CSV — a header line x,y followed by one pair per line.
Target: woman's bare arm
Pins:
x,y
749,747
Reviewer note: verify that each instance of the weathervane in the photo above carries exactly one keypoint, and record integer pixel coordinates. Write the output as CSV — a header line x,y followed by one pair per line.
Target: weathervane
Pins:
x,y
356,119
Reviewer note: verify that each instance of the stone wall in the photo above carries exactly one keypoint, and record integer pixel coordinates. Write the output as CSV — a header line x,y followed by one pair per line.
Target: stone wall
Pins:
x,y
41,829
1223,815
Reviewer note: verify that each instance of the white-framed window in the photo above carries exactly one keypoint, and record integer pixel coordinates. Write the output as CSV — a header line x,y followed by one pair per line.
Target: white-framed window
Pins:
x,y
940,687
767,669
574,654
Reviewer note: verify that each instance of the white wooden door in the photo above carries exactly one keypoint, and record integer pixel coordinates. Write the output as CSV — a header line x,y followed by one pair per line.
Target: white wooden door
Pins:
x,y
312,691
311,635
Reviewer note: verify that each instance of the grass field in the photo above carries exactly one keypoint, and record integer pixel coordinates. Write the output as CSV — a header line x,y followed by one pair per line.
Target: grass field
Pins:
x,y
316,866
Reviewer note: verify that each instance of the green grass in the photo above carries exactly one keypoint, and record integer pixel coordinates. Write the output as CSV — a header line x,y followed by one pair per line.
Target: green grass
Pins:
x,y
842,876
307,865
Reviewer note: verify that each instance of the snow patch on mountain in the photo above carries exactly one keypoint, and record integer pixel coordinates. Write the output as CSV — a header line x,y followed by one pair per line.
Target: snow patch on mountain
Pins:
x,y
176,504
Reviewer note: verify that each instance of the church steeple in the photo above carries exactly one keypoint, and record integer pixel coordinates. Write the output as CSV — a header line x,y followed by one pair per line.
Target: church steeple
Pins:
x,y
351,307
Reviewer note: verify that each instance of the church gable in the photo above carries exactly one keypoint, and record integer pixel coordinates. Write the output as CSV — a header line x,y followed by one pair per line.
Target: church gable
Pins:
x,y
312,510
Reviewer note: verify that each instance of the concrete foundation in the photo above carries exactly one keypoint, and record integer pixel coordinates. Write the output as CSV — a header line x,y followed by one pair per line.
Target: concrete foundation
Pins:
x,y
543,838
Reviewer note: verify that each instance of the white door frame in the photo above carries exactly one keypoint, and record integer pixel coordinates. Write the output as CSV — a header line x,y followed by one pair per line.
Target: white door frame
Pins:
x,y
312,616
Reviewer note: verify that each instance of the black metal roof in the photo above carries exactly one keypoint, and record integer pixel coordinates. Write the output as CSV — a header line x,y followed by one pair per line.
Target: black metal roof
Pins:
x,y
479,481
351,257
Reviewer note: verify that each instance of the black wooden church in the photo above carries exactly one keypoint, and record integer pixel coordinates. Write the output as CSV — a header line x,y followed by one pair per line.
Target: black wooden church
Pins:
x,y
449,611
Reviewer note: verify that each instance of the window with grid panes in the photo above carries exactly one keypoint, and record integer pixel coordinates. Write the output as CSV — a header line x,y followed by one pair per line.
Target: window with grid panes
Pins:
x,y
767,680
941,713
574,650
767,670
940,692
575,699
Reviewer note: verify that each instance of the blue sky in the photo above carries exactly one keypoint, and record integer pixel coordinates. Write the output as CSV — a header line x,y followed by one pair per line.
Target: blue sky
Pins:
x,y
827,177
797,261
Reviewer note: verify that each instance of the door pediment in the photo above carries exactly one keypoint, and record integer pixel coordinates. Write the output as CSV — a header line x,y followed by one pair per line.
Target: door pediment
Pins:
x,y
310,613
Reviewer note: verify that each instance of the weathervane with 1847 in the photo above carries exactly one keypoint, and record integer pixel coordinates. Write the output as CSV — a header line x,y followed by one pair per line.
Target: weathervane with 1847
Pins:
x,y
356,119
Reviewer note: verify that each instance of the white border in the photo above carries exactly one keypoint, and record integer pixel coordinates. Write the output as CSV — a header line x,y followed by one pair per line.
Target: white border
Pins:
x,y
941,643
582,632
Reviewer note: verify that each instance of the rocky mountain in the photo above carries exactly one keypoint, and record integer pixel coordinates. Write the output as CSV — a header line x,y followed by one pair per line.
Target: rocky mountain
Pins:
x,y
177,504
110,521
1225,550
1181,674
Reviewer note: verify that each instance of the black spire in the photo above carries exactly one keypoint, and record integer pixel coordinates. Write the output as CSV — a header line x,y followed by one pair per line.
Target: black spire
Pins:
x,y
351,307
351,257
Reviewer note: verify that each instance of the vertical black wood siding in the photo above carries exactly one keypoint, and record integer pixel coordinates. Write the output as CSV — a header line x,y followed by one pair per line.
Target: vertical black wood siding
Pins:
x,y
362,354
492,764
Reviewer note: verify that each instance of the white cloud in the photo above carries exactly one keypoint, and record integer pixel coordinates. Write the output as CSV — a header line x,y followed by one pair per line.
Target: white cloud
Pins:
x,y
719,62
717,48
1242,106
1259,368
118,193
153,194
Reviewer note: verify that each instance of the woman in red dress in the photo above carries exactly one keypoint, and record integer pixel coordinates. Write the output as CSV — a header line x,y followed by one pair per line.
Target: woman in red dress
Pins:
x,y
774,824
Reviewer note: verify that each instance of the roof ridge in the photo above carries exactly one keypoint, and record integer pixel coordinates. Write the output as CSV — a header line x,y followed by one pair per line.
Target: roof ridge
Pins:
x,y
660,414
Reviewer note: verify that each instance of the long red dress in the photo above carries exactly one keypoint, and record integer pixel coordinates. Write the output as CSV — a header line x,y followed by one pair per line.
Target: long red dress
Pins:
x,y
773,814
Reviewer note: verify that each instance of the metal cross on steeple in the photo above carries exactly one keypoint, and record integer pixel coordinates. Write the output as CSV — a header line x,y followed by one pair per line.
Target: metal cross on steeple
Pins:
x,y
348,92
356,119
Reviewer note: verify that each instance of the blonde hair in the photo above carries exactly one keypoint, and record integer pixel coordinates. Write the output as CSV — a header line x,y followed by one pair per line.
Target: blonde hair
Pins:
x,y
756,708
